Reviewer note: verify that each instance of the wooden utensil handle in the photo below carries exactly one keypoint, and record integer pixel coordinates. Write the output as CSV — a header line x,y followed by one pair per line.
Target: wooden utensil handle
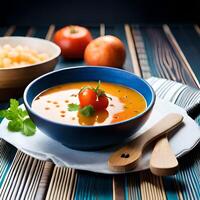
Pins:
x,y
163,162
126,157
162,127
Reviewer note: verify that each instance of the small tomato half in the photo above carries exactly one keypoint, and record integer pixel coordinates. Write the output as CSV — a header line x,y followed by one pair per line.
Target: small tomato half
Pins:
x,y
101,103
87,97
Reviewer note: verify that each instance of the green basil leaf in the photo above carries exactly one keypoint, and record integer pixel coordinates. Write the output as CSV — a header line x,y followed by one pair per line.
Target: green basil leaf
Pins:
x,y
22,113
14,104
73,107
3,113
29,127
15,125
10,115
87,111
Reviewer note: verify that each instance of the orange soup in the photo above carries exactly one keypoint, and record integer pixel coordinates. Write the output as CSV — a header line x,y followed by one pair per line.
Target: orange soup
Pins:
x,y
124,103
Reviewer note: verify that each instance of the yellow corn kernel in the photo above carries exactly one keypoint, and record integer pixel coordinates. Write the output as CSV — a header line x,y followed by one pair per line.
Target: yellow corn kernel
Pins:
x,y
19,48
1,63
6,62
42,56
7,47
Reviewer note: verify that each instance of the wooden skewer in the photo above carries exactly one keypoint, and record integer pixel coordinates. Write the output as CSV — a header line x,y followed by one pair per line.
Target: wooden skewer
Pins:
x,y
30,32
197,28
132,49
50,32
126,157
102,29
10,31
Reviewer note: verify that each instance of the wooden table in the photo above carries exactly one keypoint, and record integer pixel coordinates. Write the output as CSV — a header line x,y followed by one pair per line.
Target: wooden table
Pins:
x,y
167,51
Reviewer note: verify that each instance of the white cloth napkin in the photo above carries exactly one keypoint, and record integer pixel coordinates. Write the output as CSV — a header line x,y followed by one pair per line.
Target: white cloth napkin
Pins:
x,y
43,147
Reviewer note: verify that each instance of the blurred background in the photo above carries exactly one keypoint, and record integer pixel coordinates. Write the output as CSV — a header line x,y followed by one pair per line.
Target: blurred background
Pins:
x,y
62,12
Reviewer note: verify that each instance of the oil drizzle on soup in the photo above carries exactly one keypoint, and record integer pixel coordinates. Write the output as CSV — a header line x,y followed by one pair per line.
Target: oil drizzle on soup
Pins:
x,y
53,104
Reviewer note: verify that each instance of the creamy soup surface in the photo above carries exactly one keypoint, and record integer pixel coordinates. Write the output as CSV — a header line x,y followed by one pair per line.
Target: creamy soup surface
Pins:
x,y
53,104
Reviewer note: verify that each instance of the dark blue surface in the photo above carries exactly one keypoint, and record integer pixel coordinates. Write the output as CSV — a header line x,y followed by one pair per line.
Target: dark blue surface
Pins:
x,y
189,42
96,186
89,137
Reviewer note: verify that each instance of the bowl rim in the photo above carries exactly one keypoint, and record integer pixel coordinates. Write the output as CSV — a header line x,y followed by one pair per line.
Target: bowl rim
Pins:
x,y
84,126
55,46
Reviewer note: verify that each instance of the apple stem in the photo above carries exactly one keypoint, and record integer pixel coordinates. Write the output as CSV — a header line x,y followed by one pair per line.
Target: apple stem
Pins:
x,y
73,30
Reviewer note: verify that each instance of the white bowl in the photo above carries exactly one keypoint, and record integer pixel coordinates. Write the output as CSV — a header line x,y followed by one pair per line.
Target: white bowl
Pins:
x,y
14,80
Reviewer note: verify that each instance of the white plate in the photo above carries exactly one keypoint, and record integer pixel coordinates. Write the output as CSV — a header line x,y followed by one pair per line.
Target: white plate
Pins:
x,y
42,147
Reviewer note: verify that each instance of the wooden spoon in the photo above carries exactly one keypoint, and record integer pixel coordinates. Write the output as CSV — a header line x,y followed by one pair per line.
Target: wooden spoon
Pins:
x,y
126,157
163,162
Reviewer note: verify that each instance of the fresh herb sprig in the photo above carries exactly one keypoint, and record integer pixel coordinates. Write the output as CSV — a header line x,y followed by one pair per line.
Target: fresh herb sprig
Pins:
x,y
19,120
99,91
73,107
86,110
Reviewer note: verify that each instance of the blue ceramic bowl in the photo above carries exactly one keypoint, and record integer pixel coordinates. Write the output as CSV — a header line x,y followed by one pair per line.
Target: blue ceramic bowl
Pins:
x,y
89,137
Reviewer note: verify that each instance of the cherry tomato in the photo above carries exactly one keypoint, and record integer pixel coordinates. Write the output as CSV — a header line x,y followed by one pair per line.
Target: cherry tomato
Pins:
x,y
72,40
101,103
87,97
